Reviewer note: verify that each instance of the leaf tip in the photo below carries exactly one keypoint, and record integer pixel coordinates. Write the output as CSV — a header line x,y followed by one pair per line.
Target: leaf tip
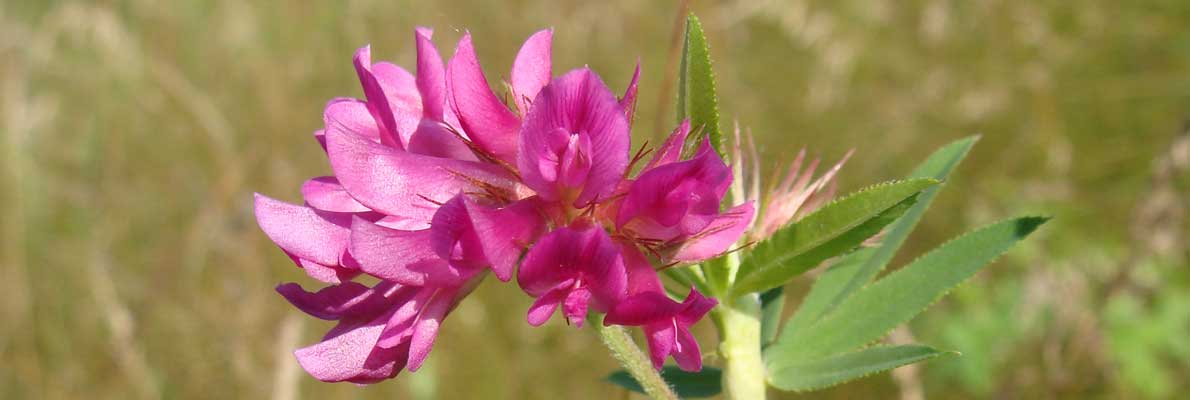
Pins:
x,y
1026,225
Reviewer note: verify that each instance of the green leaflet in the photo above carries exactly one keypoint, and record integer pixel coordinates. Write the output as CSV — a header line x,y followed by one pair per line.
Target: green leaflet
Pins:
x,y
697,97
772,303
705,383
874,310
833,370
857,269
833,230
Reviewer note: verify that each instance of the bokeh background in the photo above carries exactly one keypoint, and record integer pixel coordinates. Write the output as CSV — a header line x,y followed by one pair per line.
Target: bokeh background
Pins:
x,y
134,133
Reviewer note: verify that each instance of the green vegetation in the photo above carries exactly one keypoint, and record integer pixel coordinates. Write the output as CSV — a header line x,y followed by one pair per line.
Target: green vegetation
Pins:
x,y
132,134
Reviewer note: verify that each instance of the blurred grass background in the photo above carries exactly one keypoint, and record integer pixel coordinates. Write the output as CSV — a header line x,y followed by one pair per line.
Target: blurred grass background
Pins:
x,y
134,133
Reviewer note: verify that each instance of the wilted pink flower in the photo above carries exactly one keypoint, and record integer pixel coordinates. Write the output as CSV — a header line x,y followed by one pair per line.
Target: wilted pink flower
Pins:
x,y
437,182
796,195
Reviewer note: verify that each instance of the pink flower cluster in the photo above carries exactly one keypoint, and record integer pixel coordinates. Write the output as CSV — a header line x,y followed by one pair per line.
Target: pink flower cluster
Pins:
x,y
437,182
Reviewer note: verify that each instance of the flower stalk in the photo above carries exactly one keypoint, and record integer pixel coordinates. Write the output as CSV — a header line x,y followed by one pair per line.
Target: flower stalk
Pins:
x,y
743,367
617,339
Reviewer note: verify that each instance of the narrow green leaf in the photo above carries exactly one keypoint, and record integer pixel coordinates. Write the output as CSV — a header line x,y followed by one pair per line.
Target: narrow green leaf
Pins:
x,y
832,230
696,91
705,383
897,298
857,269
833,370
844,243
681,113
772,303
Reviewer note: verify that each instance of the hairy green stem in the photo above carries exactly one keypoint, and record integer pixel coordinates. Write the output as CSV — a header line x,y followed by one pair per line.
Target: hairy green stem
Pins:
x,y
617,339
743,367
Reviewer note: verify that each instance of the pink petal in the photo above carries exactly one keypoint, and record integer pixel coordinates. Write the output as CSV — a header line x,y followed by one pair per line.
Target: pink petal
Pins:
x,y
326,273
405,257
403,184
642,309
303,231
399,327
604,272
585,254
545,265
433,138
672,193
628,102
326,194
431,76
404,100
575,306
505,233
720,234
377,102
532,69
487,121
543,308
686,352
403,223
453,238
662,339
349,299
695,307
351,115
426,329
641,275
575,104
671,150
352,356
320,137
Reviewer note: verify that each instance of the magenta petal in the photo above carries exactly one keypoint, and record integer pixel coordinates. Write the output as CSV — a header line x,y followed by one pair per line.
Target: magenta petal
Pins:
x,y
671,150
426,329
452,236
433,138
628,102
586,258
404,100
672,192
577,103
325,273
546,265
662,339
695,307
351,115
487,121
532,69
320,137
687,353
575,306
399,327
505,233
431,76
327,303
346,300
643,309
405,257
326,194
352,356
544,306
396,182
719,235
303,231
377,103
